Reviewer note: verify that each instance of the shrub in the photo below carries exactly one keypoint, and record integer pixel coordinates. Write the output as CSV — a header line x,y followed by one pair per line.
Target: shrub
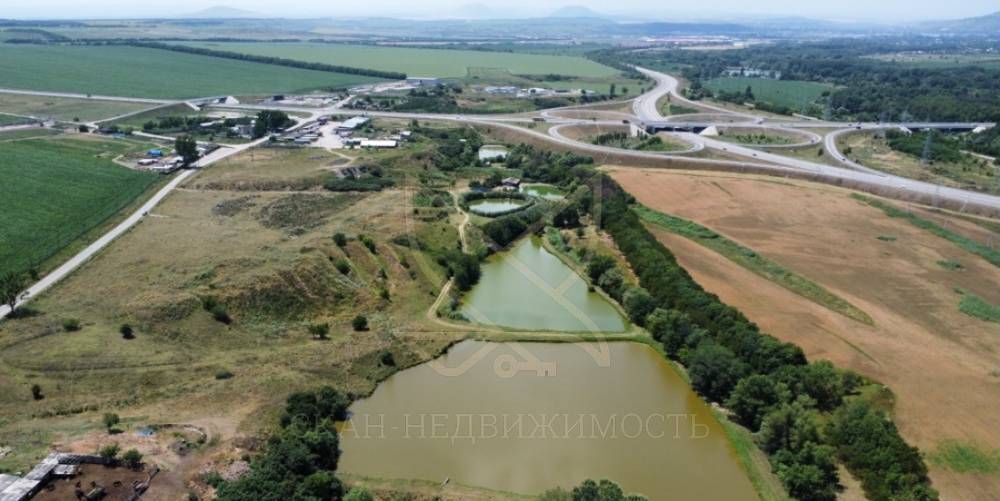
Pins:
x,y
110,452
369,243
319,331
132,459
342,266
36,392
71,325
340,239
360,323
220,314
223,374
358,494
126,331
110,420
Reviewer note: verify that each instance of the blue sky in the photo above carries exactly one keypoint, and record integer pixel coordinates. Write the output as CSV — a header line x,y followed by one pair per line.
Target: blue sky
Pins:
x,y
881,10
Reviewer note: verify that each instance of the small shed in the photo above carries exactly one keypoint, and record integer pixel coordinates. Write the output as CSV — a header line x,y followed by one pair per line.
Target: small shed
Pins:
x,y
155,153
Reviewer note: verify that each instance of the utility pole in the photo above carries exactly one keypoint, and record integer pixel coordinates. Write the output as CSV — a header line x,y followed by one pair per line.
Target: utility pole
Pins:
x,y
925,159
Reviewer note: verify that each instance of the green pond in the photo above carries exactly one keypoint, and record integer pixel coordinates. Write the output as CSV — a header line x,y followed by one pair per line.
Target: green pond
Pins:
x,y
545,191
490,206
528,288
527,417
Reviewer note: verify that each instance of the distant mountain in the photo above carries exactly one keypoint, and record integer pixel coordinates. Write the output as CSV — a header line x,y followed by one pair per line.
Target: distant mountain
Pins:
x,y
989,23
575,11
223,12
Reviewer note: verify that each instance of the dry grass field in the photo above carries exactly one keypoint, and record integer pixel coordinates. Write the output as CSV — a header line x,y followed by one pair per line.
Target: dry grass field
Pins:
x,y
266,256
941,364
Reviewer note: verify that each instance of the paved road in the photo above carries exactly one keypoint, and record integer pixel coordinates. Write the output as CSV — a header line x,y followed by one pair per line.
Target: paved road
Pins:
x,y
86,96
646,110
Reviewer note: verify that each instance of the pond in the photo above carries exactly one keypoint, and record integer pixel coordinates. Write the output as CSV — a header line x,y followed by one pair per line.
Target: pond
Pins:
x,y
529,288
544,191
491,206
527,417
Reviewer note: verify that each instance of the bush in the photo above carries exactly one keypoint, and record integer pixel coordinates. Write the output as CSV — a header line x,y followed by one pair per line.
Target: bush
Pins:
x,y
369,243
36,392
220,314
110,420
340,239
223,374
110,452
71,325
358,494
126,331
360,323
132,458
319,331
342,266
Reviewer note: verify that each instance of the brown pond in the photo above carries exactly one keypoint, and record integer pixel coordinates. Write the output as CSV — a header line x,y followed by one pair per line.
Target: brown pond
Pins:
x,y
526,417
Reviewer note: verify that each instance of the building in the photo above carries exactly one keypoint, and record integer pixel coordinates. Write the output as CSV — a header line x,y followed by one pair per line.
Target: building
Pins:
x,y
154,153
511,182
352,124
378,143
423,81
492,153
14,488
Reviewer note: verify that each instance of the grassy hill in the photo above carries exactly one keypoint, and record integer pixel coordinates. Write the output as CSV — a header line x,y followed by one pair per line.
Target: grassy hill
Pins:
x,y
152,73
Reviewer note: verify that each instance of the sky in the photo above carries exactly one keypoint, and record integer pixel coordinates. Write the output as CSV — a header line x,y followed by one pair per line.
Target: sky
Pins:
x,y
875,10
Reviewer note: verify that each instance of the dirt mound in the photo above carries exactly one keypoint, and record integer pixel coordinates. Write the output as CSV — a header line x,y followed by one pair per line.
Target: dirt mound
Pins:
x,y
155,306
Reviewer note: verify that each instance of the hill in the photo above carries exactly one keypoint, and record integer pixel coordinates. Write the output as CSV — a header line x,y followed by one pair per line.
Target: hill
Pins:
x,y
222,12
989,23
575,11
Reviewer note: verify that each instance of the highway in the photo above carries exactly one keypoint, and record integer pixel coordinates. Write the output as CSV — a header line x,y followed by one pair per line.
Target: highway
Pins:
x,y
645,111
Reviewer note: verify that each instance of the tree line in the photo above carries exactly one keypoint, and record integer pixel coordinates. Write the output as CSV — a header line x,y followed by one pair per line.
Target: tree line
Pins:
x,y
868,87
805,415
278,61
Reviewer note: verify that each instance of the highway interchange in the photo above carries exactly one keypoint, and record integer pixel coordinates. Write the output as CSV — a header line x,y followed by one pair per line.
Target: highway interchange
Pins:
x,y
645,111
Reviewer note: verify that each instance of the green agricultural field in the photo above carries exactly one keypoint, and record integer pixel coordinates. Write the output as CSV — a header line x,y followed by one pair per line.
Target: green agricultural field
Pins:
x,y
55,189
444,63
791,93
6,120
66,109
152,73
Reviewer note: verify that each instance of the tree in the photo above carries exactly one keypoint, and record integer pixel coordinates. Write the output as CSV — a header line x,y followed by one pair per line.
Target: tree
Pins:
x,y
672,328
638,304
110,452
360,323
598,265
111,420
788,427
319,331
612,282
187,148
126,331
611,90
714,370
36,392
269,120
464,268
752,398
132,459
748,94
340,239
12,284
